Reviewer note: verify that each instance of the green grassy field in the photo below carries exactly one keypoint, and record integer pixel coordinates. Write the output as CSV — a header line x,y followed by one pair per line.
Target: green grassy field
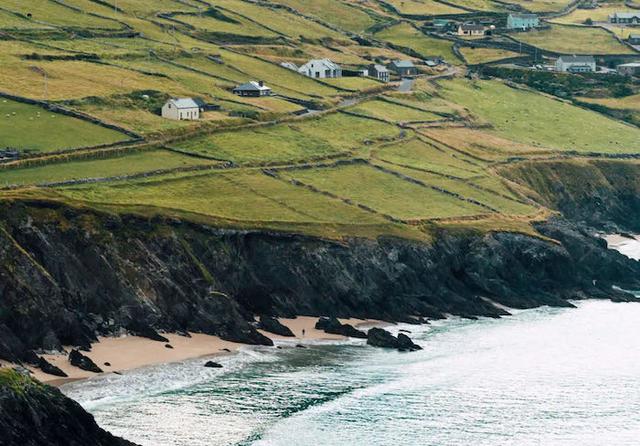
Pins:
x,y
31,128
434,162
574,40
295,141
126,164
393,112
386,193
407,36
534,119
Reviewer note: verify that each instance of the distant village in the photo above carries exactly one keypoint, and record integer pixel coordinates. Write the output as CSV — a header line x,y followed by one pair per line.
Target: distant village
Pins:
x,y
471,32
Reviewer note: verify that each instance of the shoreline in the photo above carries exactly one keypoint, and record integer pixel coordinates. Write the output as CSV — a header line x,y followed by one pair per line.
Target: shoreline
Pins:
x,y
624,244
128,353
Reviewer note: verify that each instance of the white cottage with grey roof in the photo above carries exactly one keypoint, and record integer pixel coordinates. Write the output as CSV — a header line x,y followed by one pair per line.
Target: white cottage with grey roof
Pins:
x,y
181,109
576,64
320,69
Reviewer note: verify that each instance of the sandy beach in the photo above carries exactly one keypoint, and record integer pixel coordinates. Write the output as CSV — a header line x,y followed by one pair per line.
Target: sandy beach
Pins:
x,y
630,247
132,352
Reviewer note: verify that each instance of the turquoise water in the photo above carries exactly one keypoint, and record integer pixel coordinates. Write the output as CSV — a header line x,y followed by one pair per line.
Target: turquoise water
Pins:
x,y
540,377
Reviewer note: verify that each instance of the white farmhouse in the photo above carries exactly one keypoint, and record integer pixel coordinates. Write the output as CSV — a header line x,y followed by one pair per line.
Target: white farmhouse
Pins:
x,y
320,69
576,64
181,109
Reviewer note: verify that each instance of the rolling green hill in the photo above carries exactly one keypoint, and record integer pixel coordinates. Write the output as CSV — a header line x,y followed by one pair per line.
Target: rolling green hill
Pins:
x,y
331,157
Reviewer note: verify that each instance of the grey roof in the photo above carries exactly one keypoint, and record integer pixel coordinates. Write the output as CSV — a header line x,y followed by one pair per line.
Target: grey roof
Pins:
x,y
634,36
289,65
403,64
524,16
252,86
472,27
625,15
577,59
184,103
630,64
380,68
323,63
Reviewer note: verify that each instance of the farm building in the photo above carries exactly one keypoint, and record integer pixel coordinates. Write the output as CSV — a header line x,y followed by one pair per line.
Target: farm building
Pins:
x,y
471,29
181,109
403,67
320,69
252,89
629,69
634,39
522,21
380,72
576,64
625,18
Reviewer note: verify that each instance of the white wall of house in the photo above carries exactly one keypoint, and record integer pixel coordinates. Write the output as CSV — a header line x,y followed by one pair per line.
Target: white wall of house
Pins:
x,y
319,69
170,111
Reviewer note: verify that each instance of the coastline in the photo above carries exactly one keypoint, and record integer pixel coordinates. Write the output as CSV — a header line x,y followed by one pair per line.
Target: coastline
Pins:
x,y
133,352
628,245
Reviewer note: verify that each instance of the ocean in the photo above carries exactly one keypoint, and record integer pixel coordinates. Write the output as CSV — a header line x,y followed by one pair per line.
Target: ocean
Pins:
x,y
546,376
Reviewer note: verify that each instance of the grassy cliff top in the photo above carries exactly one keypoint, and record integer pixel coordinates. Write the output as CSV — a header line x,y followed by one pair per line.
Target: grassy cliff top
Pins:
x,y
377,159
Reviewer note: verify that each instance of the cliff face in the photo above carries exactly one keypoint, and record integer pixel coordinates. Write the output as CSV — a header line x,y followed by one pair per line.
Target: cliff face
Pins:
x,y
32,414
68,275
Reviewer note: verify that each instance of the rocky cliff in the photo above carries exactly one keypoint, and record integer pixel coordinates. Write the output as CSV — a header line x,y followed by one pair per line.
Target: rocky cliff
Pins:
x,y
67,276
32,414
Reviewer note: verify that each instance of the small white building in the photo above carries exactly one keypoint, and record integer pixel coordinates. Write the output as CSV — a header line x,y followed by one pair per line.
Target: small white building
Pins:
x,y
321,69
181,109
576,64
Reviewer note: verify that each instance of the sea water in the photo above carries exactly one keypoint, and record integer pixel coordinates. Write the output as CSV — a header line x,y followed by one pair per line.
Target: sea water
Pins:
x,y
546,376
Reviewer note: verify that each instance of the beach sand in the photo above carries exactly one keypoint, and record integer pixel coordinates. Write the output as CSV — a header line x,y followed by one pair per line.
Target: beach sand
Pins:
x,y
132,352
630,247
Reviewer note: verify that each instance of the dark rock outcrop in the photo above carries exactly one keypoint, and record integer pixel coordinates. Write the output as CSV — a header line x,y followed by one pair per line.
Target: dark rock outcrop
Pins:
x,y
213,365
332,325
49,368
33,414
84,362
67,276
273,325
379,337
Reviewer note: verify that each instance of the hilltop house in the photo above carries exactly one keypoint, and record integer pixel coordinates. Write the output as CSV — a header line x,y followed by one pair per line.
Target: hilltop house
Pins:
x,y
522,21
320,69
403,68
629,69
380,72
471,29
634,39
625,18
253,89
576,64
181,109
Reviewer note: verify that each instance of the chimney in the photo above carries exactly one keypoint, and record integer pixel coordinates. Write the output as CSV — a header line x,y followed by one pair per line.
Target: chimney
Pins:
x,y
261,83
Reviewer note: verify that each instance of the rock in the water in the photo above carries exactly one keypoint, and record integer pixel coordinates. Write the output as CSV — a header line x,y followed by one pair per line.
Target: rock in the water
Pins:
x,y
213,365
84,362
379,337
168,346
333,326
273,325
402,330
49,368
405,343
300,346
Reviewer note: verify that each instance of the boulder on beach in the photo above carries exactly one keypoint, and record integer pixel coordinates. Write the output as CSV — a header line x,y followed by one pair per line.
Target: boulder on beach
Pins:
x,y
213,365
273,325
332,325
49,368
168,346
83,362
378,337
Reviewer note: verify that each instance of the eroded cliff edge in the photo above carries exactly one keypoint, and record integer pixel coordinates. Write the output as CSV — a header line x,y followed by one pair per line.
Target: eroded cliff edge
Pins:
x,y
68,275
